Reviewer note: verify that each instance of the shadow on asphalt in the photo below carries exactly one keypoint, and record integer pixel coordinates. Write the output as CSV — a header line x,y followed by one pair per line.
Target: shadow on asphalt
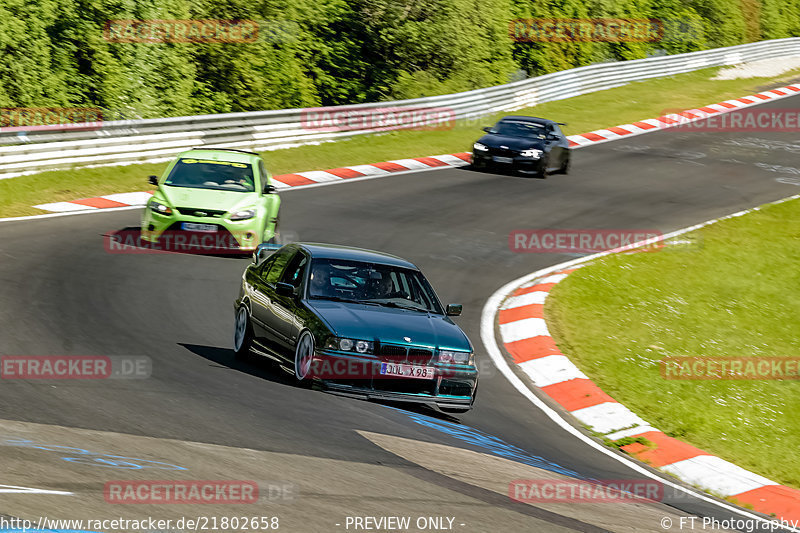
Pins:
x,y
267,369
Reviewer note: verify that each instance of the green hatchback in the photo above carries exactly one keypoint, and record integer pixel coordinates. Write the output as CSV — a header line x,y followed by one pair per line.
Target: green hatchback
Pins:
x,y
215,197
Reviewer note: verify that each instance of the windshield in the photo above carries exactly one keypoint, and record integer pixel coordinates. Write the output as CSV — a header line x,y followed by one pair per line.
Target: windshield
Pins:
x,y
371,283
531,130
208,174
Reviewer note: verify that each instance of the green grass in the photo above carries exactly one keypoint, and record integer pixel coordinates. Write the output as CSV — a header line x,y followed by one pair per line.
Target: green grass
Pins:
x,y
736,294
622,105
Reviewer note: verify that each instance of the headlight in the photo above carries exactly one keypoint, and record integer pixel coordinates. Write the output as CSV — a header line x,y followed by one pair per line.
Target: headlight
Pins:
x,y
349,345
243,215
534,153
459,358
160,208
480,147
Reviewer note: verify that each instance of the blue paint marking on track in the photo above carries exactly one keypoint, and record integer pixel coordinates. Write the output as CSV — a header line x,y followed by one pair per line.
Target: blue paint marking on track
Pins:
x,y
490,444
87,457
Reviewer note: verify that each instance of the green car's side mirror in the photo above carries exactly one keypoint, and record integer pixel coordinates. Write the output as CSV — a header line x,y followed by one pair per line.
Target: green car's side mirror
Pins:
x,y
454,309
152,180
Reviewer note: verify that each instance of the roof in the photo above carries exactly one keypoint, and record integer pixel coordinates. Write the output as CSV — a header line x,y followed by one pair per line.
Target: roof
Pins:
x,y
217,154
349,253
523,118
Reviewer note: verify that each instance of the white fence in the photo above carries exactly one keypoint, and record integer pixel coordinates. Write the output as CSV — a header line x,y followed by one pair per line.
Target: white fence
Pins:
x,y
154,140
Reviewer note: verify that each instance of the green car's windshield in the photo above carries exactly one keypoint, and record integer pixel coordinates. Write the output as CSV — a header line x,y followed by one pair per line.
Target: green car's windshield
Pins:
x,y
209,174
371,283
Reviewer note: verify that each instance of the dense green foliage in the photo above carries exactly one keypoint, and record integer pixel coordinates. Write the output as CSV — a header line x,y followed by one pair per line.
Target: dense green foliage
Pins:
x,y
327,52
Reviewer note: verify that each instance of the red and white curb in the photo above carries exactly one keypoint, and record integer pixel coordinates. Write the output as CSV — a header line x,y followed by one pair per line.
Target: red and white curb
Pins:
x,y
283,181
315,177
524,334
679,119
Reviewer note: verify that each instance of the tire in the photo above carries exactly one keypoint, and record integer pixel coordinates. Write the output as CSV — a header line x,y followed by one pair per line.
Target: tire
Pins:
x,y
565,166
303,357
542,172
242,334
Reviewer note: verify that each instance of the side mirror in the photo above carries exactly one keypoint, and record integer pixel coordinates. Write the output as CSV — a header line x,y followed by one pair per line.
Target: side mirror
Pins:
x,y
488,129
269,188
152,180
453,309
263,251
284,289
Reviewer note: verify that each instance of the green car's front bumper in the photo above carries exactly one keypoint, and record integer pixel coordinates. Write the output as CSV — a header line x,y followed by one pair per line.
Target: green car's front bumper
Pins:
x,y
244,235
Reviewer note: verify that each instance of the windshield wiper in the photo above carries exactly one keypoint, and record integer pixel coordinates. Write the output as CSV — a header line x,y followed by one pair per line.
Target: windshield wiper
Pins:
x,y
402,306
340,299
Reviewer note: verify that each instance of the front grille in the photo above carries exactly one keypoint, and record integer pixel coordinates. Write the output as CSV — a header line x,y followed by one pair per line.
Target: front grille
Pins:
x,y
390,350
193,211
402,354
503,152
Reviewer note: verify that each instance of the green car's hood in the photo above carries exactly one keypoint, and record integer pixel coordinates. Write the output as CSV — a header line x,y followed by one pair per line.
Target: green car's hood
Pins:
x,y
206,198
390,325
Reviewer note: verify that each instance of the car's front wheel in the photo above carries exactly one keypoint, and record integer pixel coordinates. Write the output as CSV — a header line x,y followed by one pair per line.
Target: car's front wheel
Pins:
x,y
242,334
565,166
303,357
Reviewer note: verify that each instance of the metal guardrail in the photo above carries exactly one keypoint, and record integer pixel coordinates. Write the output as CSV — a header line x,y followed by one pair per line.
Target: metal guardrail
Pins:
x,y
154,140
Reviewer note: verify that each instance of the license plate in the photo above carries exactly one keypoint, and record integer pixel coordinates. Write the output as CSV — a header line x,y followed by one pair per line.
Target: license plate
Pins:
x,y
205,228
407,371
498,159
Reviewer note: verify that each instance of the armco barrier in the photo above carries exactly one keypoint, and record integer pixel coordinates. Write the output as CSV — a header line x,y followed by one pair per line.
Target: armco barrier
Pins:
x,y
154,140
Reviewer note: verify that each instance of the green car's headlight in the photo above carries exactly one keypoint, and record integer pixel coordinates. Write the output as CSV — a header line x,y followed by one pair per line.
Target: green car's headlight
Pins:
x,y
161,209
244,214
350,345
459,358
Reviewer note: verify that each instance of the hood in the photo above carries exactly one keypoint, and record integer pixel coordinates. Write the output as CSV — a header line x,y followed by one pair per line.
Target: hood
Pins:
x,y
205,198
390,325
513,143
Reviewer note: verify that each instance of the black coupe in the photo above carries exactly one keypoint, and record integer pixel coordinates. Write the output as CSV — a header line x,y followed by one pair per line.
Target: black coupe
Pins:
x,y
528,145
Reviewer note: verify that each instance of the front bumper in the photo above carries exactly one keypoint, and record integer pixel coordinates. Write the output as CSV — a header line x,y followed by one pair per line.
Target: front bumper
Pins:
x,y
522,164
452,386
244,235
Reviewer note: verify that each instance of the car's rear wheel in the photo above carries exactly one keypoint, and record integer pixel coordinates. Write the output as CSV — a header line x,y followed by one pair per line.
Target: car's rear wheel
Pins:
x,y
242,333
303,357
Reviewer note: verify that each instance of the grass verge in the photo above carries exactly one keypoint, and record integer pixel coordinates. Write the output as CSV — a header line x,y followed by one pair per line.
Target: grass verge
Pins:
x,y
622,105
735,295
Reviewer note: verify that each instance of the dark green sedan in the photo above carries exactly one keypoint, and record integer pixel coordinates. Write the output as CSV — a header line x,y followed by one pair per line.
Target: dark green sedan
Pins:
x,y
366,324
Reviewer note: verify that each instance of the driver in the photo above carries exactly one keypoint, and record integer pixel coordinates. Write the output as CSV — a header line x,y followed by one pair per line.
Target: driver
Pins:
x,y
321,281
383,288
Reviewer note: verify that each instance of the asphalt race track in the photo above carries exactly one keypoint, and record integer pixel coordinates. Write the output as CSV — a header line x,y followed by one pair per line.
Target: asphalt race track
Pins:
x,y
62,293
